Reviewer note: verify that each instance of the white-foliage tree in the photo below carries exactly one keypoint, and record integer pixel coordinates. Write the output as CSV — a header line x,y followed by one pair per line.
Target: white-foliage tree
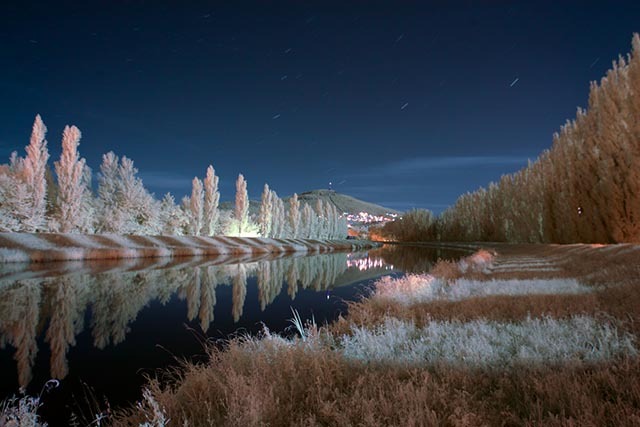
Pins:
x,y
171,217
211,201
343,227
195,207
278,220
14,195
71,185
143,217
266,212
308,222
242,204
125,206
111,218
275,226
322,226
294,216
23,185
88,204
35,165
332,220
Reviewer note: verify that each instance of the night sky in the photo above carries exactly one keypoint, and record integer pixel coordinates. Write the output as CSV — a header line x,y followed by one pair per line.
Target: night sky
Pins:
x,y
405,104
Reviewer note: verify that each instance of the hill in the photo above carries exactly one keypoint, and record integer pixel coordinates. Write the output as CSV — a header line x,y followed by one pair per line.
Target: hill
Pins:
x,y
342,202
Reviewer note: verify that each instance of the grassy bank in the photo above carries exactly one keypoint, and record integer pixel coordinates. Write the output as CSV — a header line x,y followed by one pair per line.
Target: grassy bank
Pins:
x,y
512,335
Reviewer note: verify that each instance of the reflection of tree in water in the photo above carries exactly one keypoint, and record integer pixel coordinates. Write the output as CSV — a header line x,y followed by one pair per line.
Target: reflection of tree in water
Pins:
x,y
207,296
239,291
413,259
193,295
115,298
20,312
293,273
64,298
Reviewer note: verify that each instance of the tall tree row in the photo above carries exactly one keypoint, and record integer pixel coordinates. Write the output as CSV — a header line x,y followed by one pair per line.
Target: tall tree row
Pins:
x,y
32,199
301,220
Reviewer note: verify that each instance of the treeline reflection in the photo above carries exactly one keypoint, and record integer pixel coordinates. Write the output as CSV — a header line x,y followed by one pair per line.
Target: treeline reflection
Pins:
x,y
58,306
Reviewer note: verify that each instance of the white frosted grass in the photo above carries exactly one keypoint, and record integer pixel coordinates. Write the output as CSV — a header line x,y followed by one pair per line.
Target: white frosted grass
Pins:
x,y
488,343
423,288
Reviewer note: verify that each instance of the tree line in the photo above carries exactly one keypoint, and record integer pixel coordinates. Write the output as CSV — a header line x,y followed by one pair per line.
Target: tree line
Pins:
x,y
35,198
585,188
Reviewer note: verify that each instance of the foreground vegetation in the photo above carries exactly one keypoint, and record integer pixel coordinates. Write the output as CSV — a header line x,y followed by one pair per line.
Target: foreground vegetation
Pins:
x,y
512,335
400,358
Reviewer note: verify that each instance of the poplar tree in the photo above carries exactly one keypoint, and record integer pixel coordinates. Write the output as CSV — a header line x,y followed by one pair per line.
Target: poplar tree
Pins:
x,y
71,189
111,218
195,206
308,222
211,201
266,211
35,165
321,220
294,215
278,228
242,204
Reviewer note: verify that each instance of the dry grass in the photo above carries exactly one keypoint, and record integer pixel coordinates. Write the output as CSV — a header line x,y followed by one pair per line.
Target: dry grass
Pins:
x,y
288,385
274,382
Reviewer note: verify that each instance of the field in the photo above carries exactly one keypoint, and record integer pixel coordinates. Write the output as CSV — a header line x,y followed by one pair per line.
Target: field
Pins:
x,y
512,335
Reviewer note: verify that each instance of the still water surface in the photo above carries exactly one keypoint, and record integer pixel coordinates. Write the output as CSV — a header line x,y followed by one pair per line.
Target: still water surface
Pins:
x,y
107,325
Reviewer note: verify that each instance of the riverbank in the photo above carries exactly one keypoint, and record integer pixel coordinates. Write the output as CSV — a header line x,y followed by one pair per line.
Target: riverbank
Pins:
x,y
514,334
48,247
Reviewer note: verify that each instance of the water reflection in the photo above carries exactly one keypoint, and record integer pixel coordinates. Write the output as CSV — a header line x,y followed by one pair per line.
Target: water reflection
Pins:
x,y
56,301
411,259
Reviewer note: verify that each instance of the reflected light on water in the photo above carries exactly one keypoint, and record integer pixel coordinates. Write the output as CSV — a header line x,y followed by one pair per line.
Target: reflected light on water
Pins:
x,y
368,263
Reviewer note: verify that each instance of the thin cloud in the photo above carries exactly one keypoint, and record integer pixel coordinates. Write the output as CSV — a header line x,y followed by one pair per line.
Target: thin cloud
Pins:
x,y
429,163
439,164
166,181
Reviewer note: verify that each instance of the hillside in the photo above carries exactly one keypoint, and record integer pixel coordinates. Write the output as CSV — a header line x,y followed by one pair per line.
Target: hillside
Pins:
x,y
342,202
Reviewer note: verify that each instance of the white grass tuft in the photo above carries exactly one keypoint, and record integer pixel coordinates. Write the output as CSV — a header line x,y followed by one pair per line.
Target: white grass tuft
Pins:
x,y
488,343
156,416
422,288
21,412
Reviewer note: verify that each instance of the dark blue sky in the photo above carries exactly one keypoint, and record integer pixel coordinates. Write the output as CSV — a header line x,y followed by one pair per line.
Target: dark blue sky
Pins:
x,y
406,104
